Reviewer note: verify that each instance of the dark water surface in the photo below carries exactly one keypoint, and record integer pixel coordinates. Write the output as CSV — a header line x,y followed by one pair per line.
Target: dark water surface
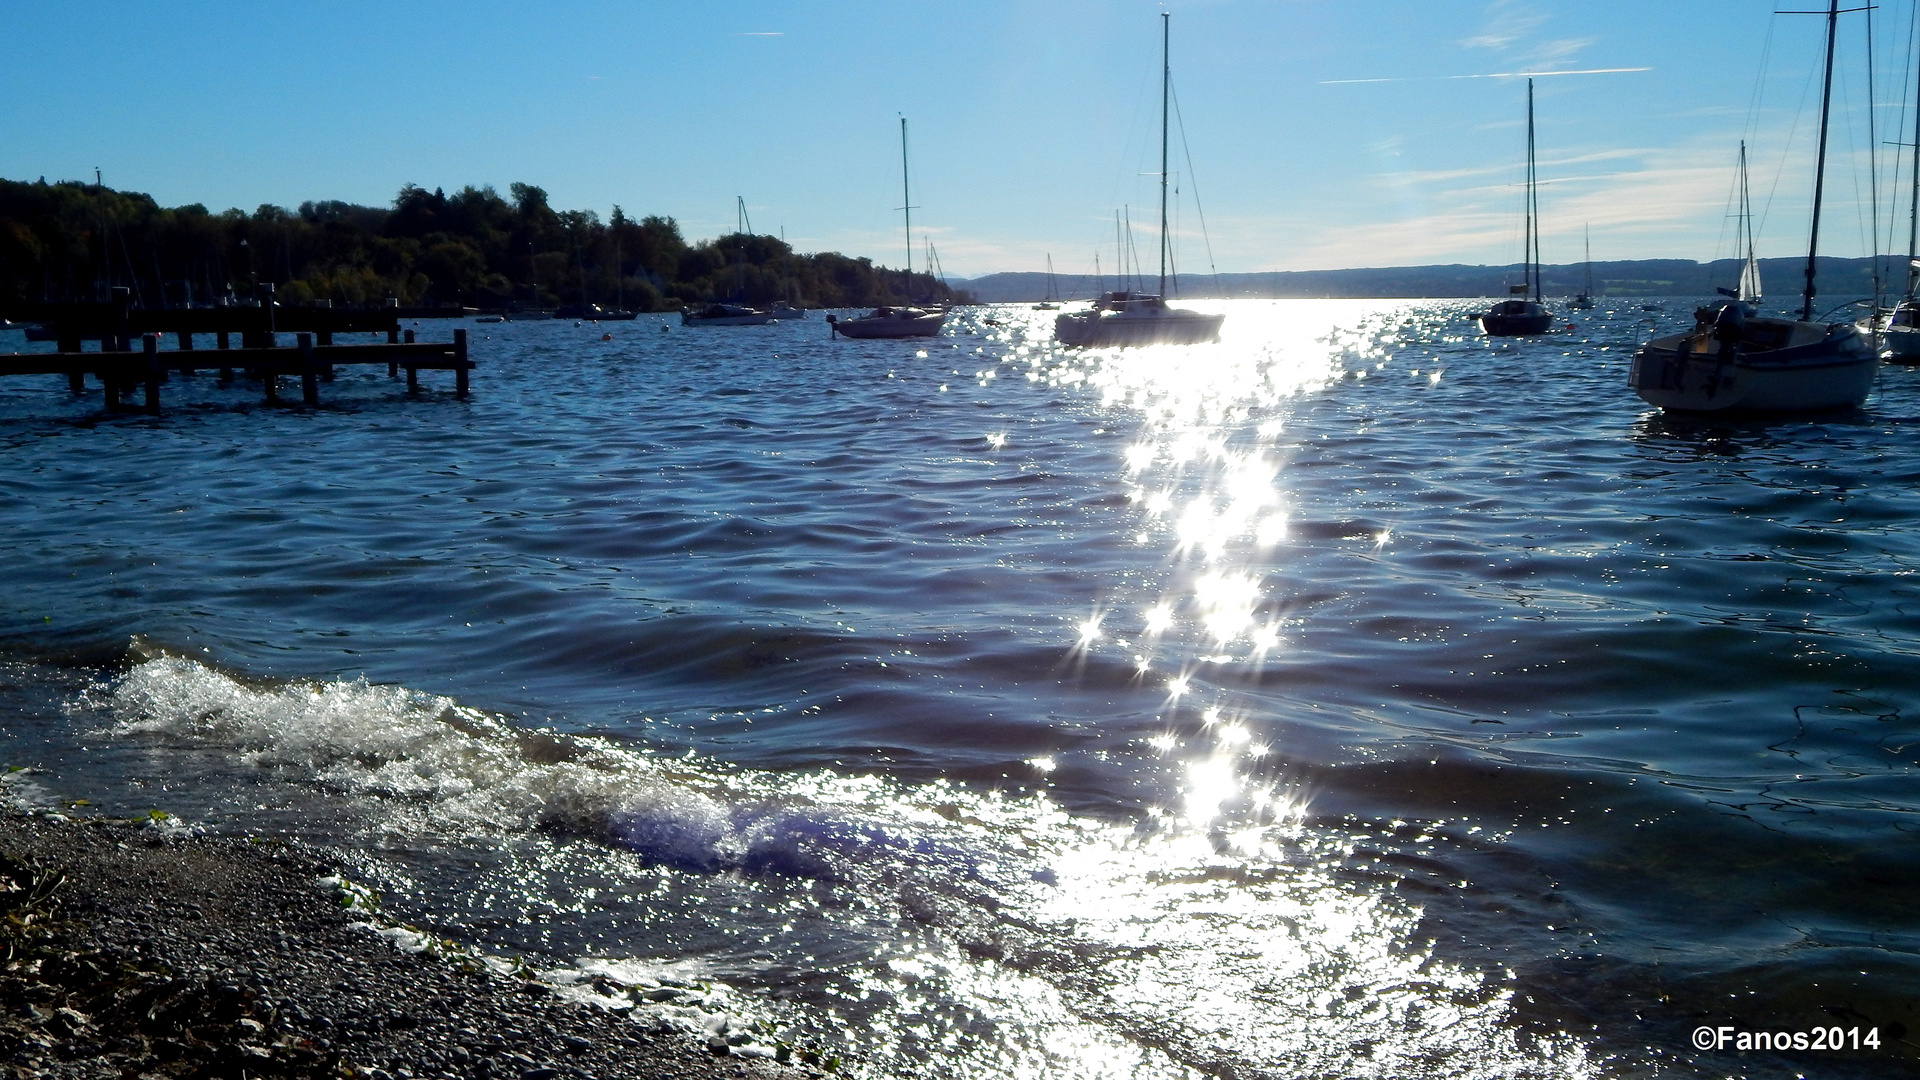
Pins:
x,y
1355,697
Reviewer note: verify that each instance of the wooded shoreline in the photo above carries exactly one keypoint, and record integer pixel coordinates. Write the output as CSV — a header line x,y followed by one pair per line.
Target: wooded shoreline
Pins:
x,y
70,241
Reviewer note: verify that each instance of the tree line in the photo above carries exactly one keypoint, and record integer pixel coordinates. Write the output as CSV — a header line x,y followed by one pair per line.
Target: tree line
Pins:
x,y
75,241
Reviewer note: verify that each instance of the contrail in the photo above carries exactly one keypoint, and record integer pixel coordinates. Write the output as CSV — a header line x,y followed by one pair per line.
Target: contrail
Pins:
x,y
1497,75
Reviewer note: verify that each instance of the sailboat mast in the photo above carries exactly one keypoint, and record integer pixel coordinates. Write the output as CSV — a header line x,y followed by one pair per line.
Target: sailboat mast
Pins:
x,y
1533,204
1913,211
1820,159
1166,84
906,203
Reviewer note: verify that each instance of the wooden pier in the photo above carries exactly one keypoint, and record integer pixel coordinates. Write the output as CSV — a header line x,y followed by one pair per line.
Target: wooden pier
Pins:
x,y
124,363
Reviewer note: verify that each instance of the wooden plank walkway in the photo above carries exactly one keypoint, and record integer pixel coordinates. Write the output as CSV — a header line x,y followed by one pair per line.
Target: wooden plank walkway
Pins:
x,y
120,370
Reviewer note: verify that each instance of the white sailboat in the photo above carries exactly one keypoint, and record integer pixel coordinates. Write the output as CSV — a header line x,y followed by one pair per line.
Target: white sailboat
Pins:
x,y
1748,292
1732,361
1584,302
1051,302
895,321
1132,318
1525,315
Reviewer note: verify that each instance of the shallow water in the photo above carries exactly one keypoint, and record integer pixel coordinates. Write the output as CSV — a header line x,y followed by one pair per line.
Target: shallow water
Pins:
x,y
1357,696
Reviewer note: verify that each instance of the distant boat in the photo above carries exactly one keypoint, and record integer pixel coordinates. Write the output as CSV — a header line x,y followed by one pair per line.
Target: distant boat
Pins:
x,y
1527,315
1051,302
592,313
489,318
731,313
890,321
1734,362
724,315
783,310
1584,301
1131,318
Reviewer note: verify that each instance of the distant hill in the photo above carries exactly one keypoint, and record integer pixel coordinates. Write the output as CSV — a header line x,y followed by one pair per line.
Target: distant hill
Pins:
x,y
1839,280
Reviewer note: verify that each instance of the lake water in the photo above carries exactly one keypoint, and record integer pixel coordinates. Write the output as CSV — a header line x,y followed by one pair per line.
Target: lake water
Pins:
x,y
1358,696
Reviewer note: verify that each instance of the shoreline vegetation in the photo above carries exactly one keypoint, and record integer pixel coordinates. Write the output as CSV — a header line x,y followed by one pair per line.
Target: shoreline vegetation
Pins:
x,y
71,241
134,949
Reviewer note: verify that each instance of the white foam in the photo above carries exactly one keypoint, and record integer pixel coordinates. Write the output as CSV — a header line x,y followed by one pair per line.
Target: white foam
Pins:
x,y
464,767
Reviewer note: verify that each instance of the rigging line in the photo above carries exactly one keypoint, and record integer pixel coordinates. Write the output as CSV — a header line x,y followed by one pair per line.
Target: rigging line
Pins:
x,y
1193,182
1906,103
1793,131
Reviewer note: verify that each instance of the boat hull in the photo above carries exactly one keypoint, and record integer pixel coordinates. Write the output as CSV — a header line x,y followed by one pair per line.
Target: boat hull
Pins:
x,y
725,315
1101,329
1900,344
1516,325
1817,372
891,326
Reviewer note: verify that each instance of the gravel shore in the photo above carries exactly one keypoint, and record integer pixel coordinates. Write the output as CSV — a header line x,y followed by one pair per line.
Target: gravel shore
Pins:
x,y
134,951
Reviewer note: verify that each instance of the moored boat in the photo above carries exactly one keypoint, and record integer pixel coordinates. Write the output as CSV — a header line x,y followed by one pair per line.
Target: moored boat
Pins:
x,y
1729,363
1134,318
724,315
890,322
1732,361
895,321
592,313
1525,315
1130,318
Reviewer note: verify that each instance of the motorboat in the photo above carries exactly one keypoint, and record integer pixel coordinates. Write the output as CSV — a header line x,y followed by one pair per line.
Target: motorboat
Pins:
x,y
1525,315
783,311
724,315
890,322
1131,318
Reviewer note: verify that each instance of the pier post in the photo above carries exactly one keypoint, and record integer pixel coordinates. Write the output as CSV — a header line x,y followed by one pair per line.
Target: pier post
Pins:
x,y
460,363
413,373
150,347
123,334
309,372
76,380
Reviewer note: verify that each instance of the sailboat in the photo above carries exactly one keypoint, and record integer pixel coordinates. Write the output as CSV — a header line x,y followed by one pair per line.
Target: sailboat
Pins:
x,y
1584,301
1748,291
1512,318
1134,318
889,321
1899,329
1735,362
731,313
1052,301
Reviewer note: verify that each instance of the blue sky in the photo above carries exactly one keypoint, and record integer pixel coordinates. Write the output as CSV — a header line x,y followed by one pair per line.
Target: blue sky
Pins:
x,y
1031,123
